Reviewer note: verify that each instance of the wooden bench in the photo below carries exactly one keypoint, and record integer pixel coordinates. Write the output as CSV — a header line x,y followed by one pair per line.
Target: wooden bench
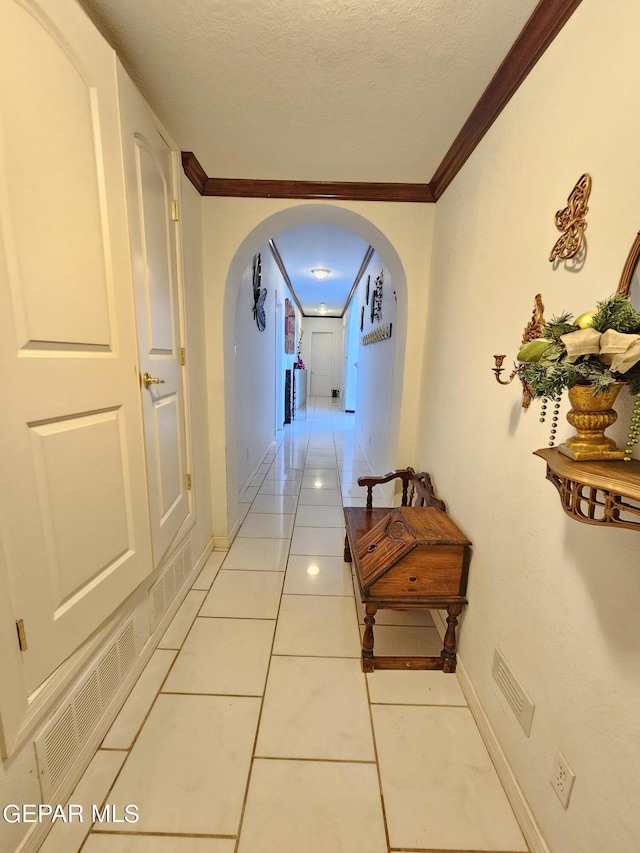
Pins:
x,y
411,557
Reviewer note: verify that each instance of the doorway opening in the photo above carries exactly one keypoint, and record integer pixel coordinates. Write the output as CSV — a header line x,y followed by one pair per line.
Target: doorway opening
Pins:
x,y
373,389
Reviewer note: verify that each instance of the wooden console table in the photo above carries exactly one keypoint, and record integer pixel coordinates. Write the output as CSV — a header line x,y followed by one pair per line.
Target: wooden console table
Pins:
x,y
407,558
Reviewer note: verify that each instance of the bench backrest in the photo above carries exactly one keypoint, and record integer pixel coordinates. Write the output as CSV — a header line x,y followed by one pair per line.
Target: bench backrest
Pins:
x,y
417,489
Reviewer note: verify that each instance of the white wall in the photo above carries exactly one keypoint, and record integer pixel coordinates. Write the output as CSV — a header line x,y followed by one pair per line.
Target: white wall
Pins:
x,y
376,370
254,378
561,599
255,369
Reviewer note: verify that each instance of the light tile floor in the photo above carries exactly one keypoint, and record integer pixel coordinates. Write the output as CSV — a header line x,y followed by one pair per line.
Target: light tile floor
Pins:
x,y
253,729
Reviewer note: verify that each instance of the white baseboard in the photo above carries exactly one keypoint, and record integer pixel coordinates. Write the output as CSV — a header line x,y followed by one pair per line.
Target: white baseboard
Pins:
x,y
272,446
35,837
524,815
223,543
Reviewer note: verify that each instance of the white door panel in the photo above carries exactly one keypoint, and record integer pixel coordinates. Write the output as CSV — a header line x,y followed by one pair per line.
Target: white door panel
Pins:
x,y
68,190
149,166
168,429
77,484
156,242
321,363
73,504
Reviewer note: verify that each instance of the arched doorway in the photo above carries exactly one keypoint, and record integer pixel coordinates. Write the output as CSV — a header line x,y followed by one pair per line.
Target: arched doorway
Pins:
x,y
268,228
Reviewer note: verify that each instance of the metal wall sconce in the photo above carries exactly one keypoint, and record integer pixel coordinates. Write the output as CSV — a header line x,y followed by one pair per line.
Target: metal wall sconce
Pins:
x,y
532,331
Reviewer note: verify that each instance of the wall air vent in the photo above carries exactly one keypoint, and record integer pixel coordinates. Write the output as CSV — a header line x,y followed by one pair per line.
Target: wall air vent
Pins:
x,y
61,740
169,584
518,699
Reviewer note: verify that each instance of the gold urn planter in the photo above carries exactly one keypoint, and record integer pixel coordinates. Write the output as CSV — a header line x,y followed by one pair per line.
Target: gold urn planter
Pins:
x,y
591,414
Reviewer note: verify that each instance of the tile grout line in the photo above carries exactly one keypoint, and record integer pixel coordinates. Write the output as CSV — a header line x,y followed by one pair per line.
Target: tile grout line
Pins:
x,y
140,728
152,834
373,733
272,655
257,734
155,698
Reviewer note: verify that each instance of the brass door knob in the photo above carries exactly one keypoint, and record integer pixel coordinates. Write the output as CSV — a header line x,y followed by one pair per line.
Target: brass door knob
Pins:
x,y
151,380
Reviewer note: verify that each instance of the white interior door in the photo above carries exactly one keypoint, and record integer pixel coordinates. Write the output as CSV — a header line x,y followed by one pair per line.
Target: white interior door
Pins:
x,y
149,165
73,503
321,363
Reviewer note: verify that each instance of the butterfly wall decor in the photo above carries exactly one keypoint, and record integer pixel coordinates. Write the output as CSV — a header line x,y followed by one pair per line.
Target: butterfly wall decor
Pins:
x,y
571,221
259,295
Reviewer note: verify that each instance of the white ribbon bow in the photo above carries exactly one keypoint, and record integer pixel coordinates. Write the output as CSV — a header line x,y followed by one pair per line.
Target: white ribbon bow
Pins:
x,y
619,350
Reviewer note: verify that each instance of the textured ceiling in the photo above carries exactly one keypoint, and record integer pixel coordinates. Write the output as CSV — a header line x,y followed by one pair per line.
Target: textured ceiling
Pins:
x,y
326,90
309,246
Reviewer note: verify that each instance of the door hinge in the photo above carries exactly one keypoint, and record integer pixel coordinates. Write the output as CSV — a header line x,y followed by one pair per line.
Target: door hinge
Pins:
x,y
174,210
183,356
188,478
22,636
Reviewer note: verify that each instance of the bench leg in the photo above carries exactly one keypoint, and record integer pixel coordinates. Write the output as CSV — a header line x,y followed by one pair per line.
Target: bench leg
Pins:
x,y
449,648
368,662
347,550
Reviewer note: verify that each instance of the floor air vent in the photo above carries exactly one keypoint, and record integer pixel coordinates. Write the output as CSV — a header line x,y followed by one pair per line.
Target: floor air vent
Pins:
x,y
170,583
519,700
60,742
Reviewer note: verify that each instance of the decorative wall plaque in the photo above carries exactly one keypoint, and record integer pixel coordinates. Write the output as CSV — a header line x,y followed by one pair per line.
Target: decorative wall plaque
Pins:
x,y
289,328
259,295
571,221
376,302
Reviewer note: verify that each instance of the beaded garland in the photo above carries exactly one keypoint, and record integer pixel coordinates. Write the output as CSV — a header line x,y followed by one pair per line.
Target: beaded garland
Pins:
x,y
634,431
554,419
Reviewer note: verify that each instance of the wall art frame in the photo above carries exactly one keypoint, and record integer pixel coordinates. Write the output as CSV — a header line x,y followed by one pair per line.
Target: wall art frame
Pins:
x,y
289,328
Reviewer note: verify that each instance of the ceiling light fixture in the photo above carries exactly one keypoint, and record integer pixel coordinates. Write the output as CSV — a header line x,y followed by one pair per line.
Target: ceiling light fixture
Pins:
x,y
322,309
320,273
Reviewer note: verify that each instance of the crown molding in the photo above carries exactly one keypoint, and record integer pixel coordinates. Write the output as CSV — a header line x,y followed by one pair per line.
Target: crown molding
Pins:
x,y
543,26
194,171
363,267
277,257
328,190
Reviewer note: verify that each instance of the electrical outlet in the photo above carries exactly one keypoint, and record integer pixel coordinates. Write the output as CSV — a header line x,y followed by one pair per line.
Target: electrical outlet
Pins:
x,y
562,778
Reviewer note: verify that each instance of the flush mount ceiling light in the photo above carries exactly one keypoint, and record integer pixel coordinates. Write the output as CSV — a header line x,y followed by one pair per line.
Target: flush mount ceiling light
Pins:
x,y
322,309
320,273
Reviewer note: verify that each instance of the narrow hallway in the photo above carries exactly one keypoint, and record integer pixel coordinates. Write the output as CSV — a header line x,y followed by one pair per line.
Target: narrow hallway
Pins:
x,y
253,729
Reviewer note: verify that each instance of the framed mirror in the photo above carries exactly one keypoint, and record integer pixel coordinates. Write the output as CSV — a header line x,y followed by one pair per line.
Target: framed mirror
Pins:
x,y
629,285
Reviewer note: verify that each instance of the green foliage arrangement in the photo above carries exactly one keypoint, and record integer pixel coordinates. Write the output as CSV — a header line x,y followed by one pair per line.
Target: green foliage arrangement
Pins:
x,y
599,349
